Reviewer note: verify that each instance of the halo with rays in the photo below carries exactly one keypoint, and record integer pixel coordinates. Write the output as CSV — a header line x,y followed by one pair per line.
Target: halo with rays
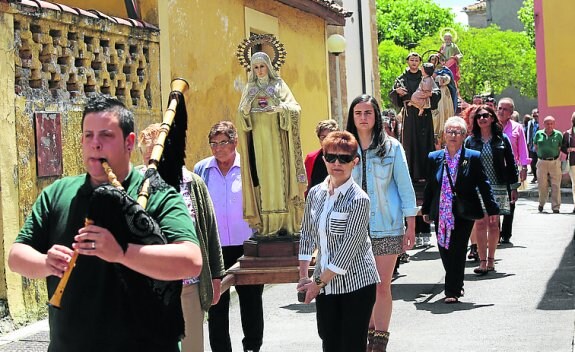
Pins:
x,y
277,51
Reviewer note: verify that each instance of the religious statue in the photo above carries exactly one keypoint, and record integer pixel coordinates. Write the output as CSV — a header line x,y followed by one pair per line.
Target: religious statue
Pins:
x,y
417,135
451,53
273,174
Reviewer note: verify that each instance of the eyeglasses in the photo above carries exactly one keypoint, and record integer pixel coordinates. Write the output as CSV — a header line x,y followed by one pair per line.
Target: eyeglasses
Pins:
x,y
342,158
220,144
503,109
485,115
454,132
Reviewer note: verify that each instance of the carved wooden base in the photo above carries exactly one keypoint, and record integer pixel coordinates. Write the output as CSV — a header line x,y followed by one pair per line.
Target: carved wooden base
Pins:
x,y
279,248
237,275
265,262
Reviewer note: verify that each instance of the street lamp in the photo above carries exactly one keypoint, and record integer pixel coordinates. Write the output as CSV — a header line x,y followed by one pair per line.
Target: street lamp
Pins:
x,y
336,46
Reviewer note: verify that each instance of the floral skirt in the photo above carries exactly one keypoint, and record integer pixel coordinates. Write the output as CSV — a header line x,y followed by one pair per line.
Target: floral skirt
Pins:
x,y
387,245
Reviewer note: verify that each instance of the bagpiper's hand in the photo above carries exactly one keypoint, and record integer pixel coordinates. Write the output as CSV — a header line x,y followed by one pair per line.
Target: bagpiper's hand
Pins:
x,y
57,259
97,241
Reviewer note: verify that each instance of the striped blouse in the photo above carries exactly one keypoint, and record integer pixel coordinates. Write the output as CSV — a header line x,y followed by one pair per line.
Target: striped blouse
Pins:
x,y
337,226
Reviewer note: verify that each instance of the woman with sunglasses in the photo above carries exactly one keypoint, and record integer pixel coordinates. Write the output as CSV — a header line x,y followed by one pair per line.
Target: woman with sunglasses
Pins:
x,y
499,166
383,174
451,200
335,222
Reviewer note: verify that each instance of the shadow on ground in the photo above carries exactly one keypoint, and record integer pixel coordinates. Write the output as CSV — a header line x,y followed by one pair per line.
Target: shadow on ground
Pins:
x,y
560,291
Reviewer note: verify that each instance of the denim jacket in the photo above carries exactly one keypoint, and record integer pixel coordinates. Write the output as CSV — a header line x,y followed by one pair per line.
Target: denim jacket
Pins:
x,y
389,189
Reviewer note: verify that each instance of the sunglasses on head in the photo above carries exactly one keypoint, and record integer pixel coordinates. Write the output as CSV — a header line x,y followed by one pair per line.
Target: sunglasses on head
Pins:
x,y
485,115
342,158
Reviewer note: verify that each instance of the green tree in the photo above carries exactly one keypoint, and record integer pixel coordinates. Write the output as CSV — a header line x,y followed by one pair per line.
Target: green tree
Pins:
x,y
391,64
408,21
527,16
485,59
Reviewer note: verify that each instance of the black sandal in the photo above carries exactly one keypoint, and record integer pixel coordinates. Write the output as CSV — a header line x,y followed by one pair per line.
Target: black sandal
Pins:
x,y
492,267
451,300
481,271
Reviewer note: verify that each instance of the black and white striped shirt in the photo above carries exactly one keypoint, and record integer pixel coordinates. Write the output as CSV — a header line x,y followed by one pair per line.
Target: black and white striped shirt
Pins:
x,y
337,226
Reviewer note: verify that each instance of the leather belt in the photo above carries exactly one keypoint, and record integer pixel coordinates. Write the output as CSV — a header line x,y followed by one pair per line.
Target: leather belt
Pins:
x,y
552,158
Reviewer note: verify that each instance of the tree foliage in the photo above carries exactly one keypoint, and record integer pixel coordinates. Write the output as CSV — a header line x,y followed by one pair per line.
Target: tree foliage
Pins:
x,y
527,16
408,21
501,58
391,65
486,60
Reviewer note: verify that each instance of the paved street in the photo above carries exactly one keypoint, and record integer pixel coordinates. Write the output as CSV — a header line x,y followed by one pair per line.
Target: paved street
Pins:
x,y
526,305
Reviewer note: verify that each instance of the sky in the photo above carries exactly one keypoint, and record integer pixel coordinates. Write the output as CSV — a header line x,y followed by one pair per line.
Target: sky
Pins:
x,y
456,6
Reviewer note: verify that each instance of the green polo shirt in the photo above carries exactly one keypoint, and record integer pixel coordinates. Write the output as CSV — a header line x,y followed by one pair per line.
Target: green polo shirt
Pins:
x,y
548,146
94,314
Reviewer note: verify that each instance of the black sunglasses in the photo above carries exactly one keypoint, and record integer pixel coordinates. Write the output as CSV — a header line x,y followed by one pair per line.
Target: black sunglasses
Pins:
x,y
342,158
485,115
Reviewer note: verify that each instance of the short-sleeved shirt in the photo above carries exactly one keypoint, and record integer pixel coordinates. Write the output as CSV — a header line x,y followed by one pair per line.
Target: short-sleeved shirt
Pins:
x,y
548,146
94,314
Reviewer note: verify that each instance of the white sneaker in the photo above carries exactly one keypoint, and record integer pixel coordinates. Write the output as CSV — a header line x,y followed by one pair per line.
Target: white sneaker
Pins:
x,y
427,241
418,241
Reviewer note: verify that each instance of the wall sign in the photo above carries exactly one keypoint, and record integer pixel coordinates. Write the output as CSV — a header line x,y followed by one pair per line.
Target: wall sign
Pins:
x,y
48,143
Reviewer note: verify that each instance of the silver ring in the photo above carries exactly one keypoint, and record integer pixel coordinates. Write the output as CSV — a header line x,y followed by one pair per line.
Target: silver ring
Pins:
x,y
93,245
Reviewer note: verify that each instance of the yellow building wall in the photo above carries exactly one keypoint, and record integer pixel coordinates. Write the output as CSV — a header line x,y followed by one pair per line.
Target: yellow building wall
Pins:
x,y
202,41
197,41
51,62
559,29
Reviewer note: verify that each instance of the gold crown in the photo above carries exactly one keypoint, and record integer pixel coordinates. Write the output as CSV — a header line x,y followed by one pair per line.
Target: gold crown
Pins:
x,y
243,53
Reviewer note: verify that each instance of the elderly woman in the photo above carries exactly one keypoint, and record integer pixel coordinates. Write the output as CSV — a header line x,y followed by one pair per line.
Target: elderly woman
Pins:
x,y
335,223
451,201
383,174
273,174
314,164
499,166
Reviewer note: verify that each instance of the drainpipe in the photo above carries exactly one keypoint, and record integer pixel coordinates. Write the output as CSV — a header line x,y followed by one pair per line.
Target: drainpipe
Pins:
x,y
361,46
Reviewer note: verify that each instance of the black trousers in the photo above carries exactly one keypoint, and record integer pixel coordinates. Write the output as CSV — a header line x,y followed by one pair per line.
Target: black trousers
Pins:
x,y
507,223
453,259
534,158
251,310
343,320
421,226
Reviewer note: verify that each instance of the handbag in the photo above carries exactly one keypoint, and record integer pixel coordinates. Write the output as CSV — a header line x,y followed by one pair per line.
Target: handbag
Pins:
x,y
458,204
501,196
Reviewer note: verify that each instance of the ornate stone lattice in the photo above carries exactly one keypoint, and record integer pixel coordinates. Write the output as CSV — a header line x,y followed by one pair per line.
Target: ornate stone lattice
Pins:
x,y
63,61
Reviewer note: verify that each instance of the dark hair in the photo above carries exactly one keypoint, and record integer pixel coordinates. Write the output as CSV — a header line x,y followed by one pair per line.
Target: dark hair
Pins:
x,y
413,53
224,127
496,128
379,136
106,103
491,100
342,140
428,68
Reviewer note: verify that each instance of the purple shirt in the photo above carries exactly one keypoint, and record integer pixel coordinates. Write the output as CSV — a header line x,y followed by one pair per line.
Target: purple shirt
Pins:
x,y
226,194
514,131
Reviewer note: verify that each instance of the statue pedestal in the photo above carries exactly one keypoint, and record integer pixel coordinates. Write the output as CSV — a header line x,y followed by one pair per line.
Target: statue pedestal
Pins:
x,y
273,261
270,253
